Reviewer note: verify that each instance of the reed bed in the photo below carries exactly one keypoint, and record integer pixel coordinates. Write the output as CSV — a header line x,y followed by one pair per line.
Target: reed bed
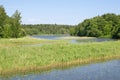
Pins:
x,y
24,59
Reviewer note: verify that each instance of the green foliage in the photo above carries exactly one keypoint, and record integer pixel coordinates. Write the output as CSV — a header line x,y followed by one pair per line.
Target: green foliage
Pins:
x,y
7,31
117,34
46,29
99,26
10,26
2,19
22,32
72,31
2,16
16,27
14,55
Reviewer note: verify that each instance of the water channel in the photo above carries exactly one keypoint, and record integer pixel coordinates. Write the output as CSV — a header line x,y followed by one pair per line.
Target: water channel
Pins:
x,y
75,39
109,70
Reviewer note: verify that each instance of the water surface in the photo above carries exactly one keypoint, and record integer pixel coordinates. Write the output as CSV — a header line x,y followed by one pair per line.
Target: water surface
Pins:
x,y
91,40
81,40
51,37
109,70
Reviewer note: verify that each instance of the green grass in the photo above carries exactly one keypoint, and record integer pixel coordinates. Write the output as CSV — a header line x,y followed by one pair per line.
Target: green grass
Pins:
x,y
24,41
14,56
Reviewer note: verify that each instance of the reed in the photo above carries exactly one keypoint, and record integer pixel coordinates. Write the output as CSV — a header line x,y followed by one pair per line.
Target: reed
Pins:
x,y
24,59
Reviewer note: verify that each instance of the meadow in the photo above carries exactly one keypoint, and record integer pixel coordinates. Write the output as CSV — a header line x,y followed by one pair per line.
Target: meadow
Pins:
x,y
18,56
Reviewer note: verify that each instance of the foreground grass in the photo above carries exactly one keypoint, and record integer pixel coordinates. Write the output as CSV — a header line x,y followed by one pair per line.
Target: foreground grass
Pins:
x,y
19,58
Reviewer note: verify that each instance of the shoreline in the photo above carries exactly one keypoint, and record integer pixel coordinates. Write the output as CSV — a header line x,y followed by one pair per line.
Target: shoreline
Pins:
x,y
29,59
39,69
75,37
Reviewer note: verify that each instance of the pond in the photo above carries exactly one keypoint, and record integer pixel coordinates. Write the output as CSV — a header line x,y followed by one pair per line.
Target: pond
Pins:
x,y
109,70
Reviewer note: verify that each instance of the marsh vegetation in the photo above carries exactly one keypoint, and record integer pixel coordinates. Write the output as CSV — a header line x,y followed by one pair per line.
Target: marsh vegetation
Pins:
x,y
97,71
17,58
36,53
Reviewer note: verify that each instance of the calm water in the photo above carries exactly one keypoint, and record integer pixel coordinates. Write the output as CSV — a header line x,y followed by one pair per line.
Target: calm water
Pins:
x,y
74,40
109,70
91,40
51,37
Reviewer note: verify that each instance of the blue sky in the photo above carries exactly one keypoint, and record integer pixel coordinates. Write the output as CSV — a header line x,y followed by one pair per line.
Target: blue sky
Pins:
x,y
69,12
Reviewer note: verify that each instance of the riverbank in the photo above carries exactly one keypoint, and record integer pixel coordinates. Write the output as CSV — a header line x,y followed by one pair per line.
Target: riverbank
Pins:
x,y
16,58
75,37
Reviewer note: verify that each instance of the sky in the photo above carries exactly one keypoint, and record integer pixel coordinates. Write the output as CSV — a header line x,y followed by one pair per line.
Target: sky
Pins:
x,y
71,12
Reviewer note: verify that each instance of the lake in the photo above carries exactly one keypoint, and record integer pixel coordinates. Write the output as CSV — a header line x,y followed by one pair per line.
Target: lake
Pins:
x,y
109,70
74,39
51,37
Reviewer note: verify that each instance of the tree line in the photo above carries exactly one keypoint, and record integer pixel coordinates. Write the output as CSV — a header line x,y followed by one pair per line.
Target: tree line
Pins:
x,y
39,29
10,27
107,25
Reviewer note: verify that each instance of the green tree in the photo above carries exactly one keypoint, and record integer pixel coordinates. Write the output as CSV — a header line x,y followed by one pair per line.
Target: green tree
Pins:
x,y
10,26
16,24
106,25
117,34
72,31
7,31
3,17
22,33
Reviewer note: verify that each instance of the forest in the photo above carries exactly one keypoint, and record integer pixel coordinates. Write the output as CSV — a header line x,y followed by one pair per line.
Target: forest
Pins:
x,y
107,25
10,27
38,29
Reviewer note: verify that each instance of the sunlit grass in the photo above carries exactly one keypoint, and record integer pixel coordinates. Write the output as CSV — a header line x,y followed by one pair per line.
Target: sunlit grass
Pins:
x,y
19,57
24,41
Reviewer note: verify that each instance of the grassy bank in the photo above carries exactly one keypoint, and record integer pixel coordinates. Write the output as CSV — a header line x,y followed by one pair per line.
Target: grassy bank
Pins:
x,y
17,58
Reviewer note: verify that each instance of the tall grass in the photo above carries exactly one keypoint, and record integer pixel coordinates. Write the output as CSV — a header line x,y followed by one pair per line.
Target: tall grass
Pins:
x,y
21,58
